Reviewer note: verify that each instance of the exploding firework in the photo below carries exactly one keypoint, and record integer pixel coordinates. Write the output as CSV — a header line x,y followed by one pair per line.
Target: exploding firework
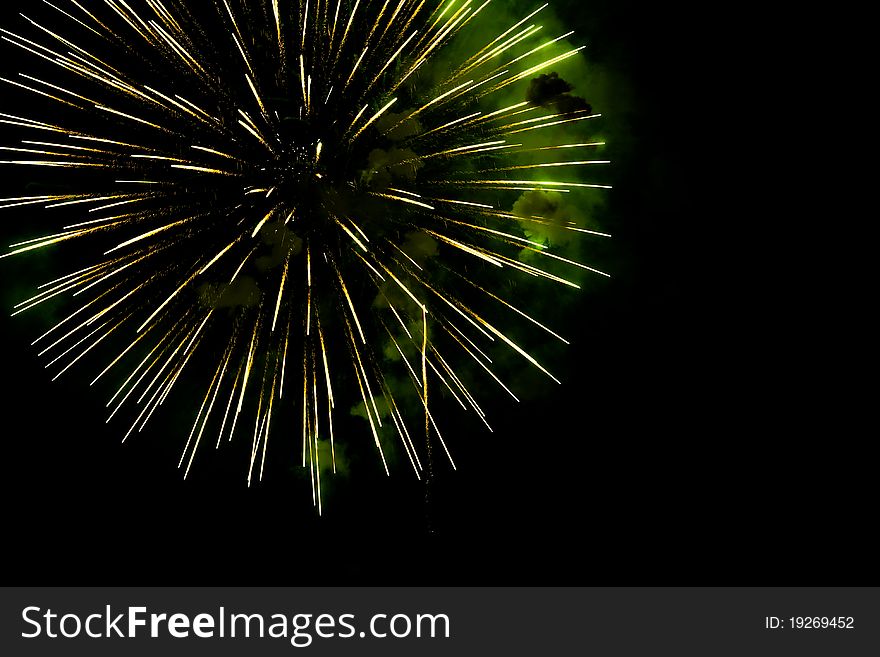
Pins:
x,y
317,197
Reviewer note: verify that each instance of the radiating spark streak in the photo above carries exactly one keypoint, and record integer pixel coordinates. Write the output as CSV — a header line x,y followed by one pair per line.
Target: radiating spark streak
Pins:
x,y
284,360
358,116
198,109
465,392
241,266
256,94
67,335
462,150
74,346
403,191
516,310
457,202
214,152
188,59
511,42
229,405
149,406
404,254
79,273
546,165
538,219
38,152
50,293
245,378
148,234
403,438
276,12
267,424
347,28
89,348
403,199
374,118
534,271
305,26
131,117
563,146
119,357
535,69
280,293
101,140
258,428
406,360
302,79
508,237
354,70
67,146
405,433
186,346
327,380
19,204
533,184
535,50
166,302
128,20
467,249
40,93
552,123
354,237
486,368
370,418
215,386
162,392
73,18
255,133
135,371
570,262
165,15
403,356
501,36
178,105
101,208
390,61
315,433
354,314
262,222
438,100
47,242
29,123
190,167
425,376
71,316
116,272
448,125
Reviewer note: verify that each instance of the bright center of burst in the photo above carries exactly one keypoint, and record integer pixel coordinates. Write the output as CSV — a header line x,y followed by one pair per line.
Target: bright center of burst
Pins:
x,y
297,182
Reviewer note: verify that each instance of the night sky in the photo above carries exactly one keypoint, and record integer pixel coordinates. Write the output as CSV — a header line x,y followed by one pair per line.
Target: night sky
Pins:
x,y
669,456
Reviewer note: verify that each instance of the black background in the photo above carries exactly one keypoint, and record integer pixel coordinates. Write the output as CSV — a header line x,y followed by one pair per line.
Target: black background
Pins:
x,y
688,444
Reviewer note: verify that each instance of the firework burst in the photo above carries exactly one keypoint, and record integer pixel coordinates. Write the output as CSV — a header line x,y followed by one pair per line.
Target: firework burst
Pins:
x,y
309,193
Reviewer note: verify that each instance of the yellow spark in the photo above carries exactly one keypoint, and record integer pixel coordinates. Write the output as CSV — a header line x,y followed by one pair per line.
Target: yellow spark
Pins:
x,y
256,94
351,307
149,234
403,199
280,293
190,167
131,117
374,118
263,221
